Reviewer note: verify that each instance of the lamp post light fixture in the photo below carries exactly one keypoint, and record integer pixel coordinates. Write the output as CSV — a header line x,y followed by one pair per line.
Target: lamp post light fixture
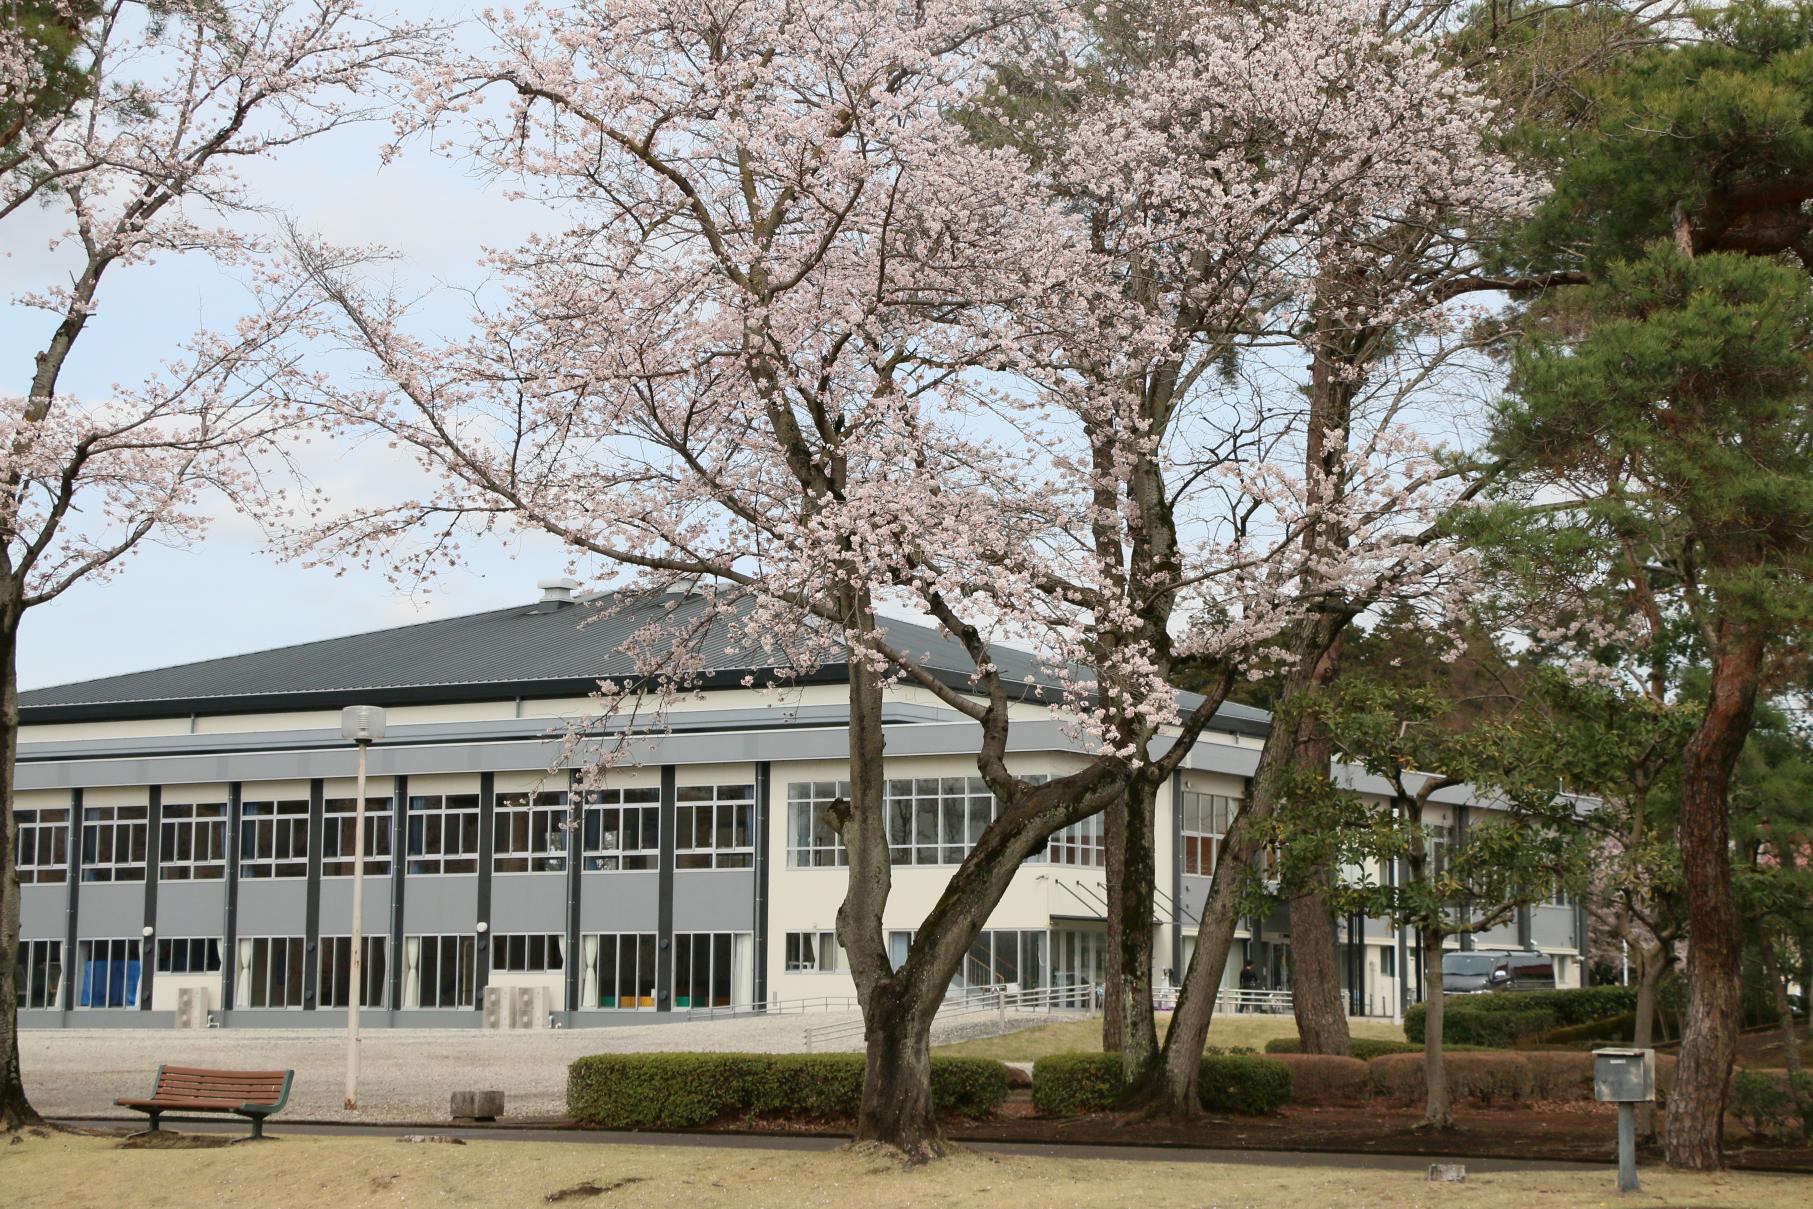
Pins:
x,y
363,725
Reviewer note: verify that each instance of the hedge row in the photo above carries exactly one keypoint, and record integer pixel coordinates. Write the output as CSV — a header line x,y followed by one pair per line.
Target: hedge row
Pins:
x,y
1363,1048
1481,1076
1068,1085
683,1091
1533,1013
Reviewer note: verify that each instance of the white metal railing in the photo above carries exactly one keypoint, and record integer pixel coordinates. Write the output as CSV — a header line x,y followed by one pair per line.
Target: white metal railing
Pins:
x,y
970,1002
776,1007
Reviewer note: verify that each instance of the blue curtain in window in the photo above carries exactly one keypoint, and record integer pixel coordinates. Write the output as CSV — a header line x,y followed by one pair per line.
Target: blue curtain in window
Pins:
x,y
109,984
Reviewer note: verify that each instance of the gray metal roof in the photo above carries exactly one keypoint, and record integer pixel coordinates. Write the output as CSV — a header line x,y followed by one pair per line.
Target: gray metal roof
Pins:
x,y
532,650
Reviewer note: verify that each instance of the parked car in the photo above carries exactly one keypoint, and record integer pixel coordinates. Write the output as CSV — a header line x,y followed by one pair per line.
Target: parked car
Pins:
x,y
1479,971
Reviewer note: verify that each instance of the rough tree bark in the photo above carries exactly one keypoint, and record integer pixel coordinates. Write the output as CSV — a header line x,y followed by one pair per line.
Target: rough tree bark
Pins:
x,y
1127,1024
16,1111
1316,998
1176,1094
1696,1103
1438,1112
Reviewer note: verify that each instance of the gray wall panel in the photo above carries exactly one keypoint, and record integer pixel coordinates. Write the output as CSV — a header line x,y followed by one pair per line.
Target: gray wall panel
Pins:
x,y
618,902
337,905
108,909
718,900
191,908
1552,927
442,904
529,902
275,907
41,911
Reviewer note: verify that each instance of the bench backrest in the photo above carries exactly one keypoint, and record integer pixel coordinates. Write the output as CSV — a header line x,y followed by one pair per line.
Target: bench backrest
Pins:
x,y
244,1086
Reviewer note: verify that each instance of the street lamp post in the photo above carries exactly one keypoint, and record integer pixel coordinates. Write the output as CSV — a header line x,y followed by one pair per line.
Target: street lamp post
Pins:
x,y
363,724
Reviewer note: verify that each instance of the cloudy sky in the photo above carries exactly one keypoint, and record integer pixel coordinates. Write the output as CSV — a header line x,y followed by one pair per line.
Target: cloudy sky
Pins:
x,y
226,595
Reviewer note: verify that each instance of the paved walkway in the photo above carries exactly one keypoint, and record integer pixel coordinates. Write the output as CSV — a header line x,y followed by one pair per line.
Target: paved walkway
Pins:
x,y
408,1074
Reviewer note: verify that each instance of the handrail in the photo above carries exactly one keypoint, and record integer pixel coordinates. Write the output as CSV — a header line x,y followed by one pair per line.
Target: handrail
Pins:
x,y
974,1001
777,1007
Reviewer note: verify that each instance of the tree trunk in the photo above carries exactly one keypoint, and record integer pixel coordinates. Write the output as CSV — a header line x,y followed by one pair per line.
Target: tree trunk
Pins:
x,y
1696,1104
1127,1009
1652,964
16,1111
1176,1095
1778,987
897,1108
1316,997
1438,1112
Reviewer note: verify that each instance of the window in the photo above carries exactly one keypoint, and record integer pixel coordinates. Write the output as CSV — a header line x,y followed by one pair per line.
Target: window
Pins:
x,y
109,973
714,827
188,955
194,845
528,954
811,842
270,973
41,847
529,833
1081,843
1206,819
710,969
39,976
1439,843
622,829
1558,896
1004,958
273,839
334,971
814,952
438,971
934,820
114,843
899,944
339,821
443,833
619,970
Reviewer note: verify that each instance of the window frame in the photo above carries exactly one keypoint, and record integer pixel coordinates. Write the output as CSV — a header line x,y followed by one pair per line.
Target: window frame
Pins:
x,y
809,833
598,807
129,951
203,832
38,957
332,980
284,821
528,952
109,827
208,948
444,861
463,947
33,830
643,968
544,813
714,812
290,974
807,952
338,820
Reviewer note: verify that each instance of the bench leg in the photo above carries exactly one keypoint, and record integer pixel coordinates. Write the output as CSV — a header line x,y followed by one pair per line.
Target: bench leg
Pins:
x,y
257,1126
154,1117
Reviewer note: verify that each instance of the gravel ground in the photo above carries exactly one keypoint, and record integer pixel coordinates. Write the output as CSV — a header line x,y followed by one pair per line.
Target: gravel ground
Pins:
x,y
407,1074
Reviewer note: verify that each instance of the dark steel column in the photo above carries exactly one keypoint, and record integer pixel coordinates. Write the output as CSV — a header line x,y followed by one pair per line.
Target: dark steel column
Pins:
x,y
229,925
399,862
574,887
1177,911
154,849
311,911
664,910
763,855
72,901
487,850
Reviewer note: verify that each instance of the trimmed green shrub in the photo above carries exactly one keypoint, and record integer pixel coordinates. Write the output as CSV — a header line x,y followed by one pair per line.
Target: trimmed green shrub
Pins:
x,y
1327,1079
1480,1077
1070,1085
684,1091
1067,1085
1774,1105
1363,1048
1497,1027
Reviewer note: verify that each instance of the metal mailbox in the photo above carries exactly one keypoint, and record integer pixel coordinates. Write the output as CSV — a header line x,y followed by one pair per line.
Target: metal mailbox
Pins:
x,y
1624,1076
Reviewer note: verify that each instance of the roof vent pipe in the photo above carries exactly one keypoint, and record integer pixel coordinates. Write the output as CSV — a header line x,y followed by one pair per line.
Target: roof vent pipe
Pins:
x,y
558,591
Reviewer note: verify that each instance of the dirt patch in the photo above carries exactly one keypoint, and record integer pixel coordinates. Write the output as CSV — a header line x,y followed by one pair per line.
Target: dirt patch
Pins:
x,y
167,1139
587,1189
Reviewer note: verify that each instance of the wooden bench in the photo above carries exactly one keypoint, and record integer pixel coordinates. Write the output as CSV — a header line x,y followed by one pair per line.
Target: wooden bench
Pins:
x,y
253,1094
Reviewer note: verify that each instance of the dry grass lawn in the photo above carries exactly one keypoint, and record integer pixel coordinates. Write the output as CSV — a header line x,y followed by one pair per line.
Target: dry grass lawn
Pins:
x,y
70,1172
1073,1036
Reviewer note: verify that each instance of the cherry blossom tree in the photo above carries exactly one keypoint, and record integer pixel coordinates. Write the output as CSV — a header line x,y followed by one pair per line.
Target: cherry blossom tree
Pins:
x,y
135,144
808,346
